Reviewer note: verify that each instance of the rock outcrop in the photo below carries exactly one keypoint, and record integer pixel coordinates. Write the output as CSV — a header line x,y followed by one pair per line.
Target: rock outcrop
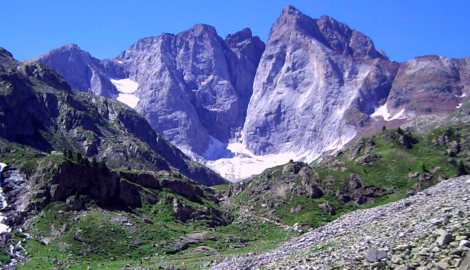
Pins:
x,y
430,85
76,184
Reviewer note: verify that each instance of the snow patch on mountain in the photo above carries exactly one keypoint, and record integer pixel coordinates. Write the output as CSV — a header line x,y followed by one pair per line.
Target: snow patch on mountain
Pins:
x,y
242,163
382,111
126,88
235,162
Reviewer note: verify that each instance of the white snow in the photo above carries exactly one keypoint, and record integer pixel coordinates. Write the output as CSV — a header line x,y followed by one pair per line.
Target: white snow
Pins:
x,y
235,162
243,163
3,227
382,111
458,106
126,88
463,95
216,150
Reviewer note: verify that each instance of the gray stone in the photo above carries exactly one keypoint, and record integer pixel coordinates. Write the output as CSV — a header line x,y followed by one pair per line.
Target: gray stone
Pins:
x,y
377,265
403,247
443,264
465,263
375,255
147,221
444,238
327,207
396,259
403,267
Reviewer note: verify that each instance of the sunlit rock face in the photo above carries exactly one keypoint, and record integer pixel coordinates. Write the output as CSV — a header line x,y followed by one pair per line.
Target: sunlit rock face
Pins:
x,y
194,85
312,77
81,70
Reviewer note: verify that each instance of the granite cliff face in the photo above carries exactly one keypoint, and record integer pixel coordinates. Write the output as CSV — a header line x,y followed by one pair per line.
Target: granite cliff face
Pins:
x,y
240,106
194,85
312,76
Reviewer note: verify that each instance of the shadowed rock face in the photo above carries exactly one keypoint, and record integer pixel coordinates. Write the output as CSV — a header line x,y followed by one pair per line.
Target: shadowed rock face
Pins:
x,y
194,85
82,71
77,184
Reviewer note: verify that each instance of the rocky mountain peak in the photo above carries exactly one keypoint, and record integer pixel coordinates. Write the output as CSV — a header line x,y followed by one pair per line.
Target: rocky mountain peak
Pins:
x,y
71,46
199,29
6,57
294,21
81,70
326,30
73,50
5,54
243,42
343,40
239,36
290,11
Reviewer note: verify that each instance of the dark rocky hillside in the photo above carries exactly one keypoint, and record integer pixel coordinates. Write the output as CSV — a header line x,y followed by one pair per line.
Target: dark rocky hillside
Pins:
x,y
42,111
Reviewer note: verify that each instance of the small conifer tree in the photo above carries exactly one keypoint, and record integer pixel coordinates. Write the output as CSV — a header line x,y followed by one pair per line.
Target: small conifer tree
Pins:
x,y
94,162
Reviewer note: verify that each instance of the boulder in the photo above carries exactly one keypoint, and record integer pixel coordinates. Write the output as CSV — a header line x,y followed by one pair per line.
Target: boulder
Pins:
x,y
355,181
204,249
368,159
444,238
374,255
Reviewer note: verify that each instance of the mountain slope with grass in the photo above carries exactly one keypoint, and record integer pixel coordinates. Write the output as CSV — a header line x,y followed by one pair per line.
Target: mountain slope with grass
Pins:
x,y
371,171
42,111
82,175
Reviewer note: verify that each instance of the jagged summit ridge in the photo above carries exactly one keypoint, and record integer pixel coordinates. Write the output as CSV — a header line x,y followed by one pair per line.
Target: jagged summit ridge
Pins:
x,y
236,103
200,85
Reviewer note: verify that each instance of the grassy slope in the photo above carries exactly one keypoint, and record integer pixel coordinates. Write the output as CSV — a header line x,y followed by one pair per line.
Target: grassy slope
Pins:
x,y
388,173
112,238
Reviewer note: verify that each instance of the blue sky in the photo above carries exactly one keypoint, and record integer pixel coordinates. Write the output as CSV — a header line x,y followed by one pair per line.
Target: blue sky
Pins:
x,y
403,29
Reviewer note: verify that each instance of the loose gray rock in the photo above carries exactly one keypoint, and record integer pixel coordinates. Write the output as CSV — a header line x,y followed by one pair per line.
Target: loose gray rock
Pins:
x,y
375,255
444,238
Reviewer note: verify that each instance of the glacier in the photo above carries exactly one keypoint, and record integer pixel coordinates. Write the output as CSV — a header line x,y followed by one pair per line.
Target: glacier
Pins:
x,y
126,88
